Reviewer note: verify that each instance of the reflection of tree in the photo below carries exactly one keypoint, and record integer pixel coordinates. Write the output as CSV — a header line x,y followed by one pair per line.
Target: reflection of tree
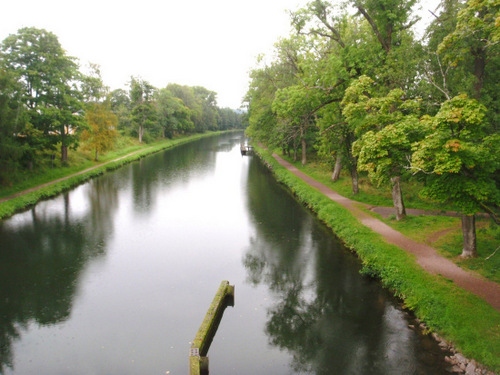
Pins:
x,y
327,316
41,258
180,163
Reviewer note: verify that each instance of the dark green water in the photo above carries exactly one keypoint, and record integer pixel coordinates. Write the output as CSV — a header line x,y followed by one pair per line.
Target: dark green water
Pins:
x,y
115,277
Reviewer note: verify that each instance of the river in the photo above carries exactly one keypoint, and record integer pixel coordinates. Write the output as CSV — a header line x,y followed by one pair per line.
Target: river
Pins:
x,y
116,275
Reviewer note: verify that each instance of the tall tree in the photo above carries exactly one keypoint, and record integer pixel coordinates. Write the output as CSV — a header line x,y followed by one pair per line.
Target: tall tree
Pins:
x,y
387,125
121,107
173,116
144,113
49,78
102,130
460,159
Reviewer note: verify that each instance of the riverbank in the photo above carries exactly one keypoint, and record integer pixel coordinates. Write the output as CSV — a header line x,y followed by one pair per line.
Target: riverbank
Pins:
x,y
27,198
458,316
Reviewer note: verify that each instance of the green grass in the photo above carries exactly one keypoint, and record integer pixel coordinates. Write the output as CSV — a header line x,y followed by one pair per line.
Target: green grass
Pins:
x,y
78,160
487,262
368,193
419,228
458,316
10,207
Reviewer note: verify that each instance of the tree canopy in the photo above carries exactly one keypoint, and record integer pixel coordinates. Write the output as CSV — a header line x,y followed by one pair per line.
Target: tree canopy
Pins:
x,y
360,91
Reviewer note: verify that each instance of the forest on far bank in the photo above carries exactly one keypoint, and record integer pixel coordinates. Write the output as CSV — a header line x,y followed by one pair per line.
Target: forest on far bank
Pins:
x,y
48,107
353,87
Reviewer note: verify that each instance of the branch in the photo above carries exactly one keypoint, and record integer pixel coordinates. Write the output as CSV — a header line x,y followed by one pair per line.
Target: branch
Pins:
x,y
415,169
374,27
431,12
332,126
443,89
490,212
493,253
410,24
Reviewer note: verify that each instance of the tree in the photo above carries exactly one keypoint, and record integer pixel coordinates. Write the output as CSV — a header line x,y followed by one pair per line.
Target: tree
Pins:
x,y
102,131
13,120
386,126
458,159
208,100
478,34
295,107
49,79
120,105
229,119
173,115
144,114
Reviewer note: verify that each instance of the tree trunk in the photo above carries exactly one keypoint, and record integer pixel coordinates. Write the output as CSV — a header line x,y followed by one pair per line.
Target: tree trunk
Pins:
x,y
469,233
141,131
337,168
354,178
397,198
304,153
294,153
95,155
64,153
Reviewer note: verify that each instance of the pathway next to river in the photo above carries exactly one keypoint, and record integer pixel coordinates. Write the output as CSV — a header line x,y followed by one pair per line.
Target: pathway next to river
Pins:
x,y
426,256
24,192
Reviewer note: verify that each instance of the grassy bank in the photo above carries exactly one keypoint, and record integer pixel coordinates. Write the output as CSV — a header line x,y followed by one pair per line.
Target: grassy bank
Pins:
x,y
471,324
107,162
441,232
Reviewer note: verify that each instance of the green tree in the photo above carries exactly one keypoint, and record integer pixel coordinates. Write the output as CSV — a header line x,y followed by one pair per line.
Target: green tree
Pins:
x,y
229,119
13,120
173,116
386,126
50,79
459,157
208,100
121,107
144,114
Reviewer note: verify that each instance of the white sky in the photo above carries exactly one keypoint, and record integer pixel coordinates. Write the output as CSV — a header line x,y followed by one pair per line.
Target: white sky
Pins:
x,y
210,43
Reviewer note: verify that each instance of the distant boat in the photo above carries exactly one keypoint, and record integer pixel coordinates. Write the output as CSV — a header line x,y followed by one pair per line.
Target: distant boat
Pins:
x,y
246,149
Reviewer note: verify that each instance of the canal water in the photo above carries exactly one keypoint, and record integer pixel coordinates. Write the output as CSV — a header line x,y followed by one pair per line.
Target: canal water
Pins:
x,y
115,276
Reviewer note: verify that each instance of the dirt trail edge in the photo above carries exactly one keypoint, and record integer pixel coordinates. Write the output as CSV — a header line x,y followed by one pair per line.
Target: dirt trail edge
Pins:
x,y
426,256
66,177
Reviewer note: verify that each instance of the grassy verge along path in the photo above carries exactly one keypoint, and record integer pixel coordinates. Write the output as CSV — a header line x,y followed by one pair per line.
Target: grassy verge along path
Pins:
x,y
21,200
459,316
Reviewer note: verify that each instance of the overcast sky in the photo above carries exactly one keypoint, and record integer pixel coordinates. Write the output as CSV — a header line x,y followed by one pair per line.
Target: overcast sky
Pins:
x,y
210,43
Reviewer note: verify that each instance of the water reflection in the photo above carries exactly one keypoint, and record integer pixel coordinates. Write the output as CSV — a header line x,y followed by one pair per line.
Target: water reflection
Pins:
x,y
160,170
330,319
42,255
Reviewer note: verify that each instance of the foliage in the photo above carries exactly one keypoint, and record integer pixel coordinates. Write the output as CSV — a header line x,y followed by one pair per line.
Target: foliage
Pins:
x,y
50,91
13,120
143,108
173,116
457,156
102,131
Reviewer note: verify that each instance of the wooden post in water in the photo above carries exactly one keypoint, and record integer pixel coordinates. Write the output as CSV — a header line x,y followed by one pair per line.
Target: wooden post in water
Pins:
x,y
198,360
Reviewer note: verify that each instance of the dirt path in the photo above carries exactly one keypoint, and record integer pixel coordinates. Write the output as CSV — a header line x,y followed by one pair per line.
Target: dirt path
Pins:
x,y
65,178
426,256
